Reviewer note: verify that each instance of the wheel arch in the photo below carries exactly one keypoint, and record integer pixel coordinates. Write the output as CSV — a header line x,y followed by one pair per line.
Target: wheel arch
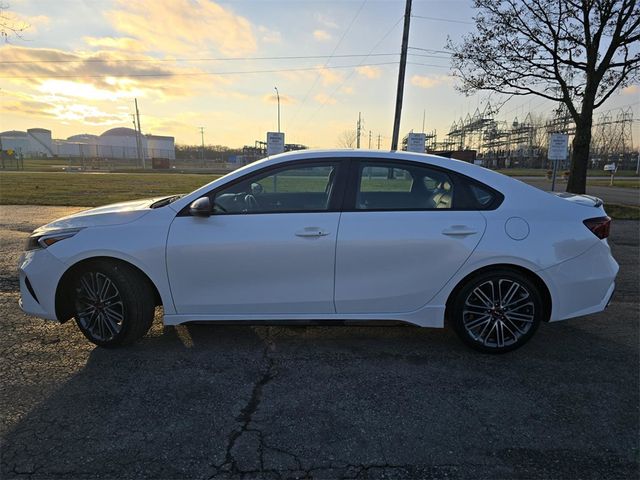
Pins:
x,y
535,278
63,301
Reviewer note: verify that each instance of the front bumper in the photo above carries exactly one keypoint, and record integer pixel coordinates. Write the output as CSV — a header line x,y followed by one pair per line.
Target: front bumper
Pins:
x,y
40,271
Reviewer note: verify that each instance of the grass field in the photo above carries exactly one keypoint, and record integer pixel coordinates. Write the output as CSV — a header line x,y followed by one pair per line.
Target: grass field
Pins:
x,y
90,190
620,183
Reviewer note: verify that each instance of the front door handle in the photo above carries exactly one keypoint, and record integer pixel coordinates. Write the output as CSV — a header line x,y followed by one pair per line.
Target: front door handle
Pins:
x,y
459,231
311,232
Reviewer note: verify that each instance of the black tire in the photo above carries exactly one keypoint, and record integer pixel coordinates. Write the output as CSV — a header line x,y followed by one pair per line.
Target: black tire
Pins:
x,y
113,303
508,322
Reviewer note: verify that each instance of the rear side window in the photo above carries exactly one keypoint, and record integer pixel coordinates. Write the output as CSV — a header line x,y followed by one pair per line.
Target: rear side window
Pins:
x,y
482,196
403,187
473,195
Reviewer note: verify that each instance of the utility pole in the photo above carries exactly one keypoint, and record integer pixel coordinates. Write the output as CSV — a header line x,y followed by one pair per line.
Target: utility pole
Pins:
x,y
358,129
135,127
378,141
278,96
140,135
202,152
424,114
401,71
369,139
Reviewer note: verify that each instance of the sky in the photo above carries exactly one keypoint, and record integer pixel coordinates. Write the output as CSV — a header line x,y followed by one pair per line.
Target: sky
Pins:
x,y
203,63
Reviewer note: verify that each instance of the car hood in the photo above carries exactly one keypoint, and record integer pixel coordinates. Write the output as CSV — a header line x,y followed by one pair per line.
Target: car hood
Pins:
x,y
114,214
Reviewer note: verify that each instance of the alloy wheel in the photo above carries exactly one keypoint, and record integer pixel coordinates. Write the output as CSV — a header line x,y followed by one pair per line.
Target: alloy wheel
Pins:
x,y
99,306
498,312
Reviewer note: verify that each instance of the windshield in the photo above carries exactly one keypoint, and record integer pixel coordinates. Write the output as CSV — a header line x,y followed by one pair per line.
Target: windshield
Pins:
x,y
163,202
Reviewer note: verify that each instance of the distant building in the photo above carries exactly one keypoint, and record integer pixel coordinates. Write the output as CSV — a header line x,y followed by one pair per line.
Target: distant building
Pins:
x,y
116,143
35,142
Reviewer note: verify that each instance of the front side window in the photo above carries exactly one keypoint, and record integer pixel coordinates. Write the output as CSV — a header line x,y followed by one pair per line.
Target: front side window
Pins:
x,y
288,189
400,187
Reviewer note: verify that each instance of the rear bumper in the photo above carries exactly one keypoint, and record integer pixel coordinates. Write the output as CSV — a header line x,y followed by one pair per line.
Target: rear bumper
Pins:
x,y
582,285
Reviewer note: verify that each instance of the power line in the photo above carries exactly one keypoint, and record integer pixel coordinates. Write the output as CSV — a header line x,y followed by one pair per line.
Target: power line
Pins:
x,y
422,65
177,60
335,49
361,65
194,74
430,50
428,56
437,19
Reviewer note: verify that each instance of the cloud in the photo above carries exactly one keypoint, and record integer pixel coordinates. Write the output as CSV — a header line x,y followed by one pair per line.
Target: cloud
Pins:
x,y
346,90
631,90
116,43
326,21
322,35
99,75
369,71
325,99
184,26
329,76
62,109
284,99
269,36
430,81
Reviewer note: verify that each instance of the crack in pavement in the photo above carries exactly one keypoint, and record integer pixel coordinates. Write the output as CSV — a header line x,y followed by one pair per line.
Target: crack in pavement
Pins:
x,y
246,414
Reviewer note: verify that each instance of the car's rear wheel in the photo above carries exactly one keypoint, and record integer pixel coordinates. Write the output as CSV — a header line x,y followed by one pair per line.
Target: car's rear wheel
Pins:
x,y
113,303
497,311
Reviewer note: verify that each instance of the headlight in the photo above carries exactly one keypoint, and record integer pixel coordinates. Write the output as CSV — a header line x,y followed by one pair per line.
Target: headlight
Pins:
x,y
35,242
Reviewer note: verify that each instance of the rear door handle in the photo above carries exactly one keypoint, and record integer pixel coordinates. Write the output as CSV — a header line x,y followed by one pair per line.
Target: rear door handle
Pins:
x,y
311,232
458,231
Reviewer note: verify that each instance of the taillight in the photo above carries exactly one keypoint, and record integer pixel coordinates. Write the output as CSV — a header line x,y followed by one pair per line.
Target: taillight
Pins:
x,y
600,226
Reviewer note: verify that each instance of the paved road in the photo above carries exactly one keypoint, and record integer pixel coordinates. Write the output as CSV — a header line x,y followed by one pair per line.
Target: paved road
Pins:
x,y
619,195
322,402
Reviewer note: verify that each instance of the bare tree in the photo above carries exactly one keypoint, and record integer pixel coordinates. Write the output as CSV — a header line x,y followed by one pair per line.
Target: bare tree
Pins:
x,y
9,25
347,139
578,52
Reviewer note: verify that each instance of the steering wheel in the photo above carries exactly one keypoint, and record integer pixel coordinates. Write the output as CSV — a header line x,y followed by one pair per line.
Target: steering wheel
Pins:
x,y
250,202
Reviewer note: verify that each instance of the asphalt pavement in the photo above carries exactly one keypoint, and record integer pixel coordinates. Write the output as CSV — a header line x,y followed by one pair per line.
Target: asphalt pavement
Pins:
x,y
317,402
618,195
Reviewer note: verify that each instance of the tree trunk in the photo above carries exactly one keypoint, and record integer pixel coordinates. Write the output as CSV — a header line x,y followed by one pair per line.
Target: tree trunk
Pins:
x,y
580,158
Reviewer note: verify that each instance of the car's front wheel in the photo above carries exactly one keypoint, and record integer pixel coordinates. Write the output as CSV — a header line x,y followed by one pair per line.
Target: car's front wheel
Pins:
x,y
497,311
113,303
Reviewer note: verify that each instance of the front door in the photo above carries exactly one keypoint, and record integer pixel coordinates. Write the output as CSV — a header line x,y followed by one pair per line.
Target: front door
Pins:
x,y
267,248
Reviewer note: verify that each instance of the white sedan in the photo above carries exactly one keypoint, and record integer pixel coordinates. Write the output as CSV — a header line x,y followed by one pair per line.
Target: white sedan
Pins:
x,y
326,236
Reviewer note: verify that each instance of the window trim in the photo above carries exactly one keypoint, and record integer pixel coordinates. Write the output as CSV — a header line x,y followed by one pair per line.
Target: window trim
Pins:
x,y
458,180
337,194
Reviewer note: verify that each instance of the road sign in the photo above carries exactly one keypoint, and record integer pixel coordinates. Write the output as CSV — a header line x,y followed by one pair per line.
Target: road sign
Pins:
x,y
558,146
275,143
415,142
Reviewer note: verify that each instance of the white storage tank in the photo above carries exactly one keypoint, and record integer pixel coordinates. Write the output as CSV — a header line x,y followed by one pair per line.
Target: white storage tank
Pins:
x,y
40,142
120,143
16,141
160,146
88,144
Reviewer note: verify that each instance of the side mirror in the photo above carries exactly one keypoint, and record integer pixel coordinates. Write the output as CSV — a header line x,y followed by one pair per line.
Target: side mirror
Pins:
x,y
200,207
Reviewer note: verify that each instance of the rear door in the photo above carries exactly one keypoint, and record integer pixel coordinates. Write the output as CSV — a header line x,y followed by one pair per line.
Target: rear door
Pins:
x,y
401,236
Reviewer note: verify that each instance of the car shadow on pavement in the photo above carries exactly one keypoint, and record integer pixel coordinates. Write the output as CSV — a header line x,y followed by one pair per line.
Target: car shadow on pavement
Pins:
x,y
203,401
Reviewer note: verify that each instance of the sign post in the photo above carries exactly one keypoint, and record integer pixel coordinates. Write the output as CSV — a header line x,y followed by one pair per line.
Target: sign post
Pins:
x,y
611,167
416,142
558,151
275,143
